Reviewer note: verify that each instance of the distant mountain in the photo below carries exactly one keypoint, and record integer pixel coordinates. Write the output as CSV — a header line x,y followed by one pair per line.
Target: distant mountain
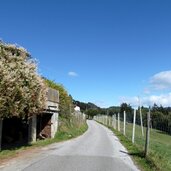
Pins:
x,y
85,106
92,106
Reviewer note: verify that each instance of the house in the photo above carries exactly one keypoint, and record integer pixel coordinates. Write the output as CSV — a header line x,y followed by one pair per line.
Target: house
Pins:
x,y
77,108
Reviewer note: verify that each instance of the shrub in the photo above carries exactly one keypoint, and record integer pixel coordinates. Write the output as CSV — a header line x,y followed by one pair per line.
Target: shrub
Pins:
x,y
22,90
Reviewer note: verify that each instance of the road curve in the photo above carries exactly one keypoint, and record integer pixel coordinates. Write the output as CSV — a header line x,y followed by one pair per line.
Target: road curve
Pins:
x,y
97,150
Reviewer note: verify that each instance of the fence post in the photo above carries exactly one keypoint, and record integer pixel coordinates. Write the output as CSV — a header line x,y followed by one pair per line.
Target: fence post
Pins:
x,y
141,122
124,122
147,134
115,121
133,131
118,121
110,121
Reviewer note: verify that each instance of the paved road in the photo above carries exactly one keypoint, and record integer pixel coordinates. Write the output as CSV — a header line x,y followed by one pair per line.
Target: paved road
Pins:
x,y
97,150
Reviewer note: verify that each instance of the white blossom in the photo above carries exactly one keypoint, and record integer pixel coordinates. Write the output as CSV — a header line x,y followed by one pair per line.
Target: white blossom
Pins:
x,y
22,90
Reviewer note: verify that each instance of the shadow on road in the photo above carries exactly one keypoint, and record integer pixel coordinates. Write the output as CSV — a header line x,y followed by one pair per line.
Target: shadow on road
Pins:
x,y
138,154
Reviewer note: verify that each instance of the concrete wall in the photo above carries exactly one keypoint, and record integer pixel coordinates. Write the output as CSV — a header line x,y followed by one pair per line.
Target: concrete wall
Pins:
x,y
33,128
52,106
53,95
54,125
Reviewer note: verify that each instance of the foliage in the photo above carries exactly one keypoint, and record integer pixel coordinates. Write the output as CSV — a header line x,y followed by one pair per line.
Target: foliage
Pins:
x,y
85,106
113,110
92,112
22,90
159,146
65,100
128,109
68,130
159,157
161,118
145,164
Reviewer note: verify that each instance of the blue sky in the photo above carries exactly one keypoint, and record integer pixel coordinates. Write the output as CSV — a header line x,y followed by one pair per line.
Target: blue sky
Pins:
x,y
105,51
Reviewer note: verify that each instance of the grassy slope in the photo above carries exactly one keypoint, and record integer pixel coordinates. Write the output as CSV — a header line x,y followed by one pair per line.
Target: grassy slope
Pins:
x,y
159,149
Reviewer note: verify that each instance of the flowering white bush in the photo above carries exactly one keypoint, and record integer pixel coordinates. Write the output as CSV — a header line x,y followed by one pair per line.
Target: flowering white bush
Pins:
x,y
22,90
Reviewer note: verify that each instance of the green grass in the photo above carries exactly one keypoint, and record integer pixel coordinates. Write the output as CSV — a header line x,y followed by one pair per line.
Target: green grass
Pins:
x,y
4,154
159,148
145,164
67,130
159,158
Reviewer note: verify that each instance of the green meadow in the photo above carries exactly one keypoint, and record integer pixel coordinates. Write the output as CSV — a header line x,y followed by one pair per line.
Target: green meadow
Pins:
x,y
159,147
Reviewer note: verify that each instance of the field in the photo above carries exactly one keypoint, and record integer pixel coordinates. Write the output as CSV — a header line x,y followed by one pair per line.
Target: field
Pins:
x,y
159,148
159,156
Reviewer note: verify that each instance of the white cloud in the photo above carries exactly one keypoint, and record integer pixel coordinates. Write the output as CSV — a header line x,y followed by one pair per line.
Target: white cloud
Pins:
x,y
133,101
163,99
158,82
161,80
72,74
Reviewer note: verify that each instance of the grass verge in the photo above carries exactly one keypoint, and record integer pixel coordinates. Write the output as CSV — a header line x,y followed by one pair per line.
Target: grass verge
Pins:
x,y
144,164
159,146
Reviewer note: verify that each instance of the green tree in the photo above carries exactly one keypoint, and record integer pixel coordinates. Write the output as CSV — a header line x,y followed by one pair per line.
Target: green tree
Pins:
x,y
92,112
128,109
66,106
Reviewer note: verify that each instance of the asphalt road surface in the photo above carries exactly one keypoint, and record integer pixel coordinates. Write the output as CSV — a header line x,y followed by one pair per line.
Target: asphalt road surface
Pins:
x,y
97,150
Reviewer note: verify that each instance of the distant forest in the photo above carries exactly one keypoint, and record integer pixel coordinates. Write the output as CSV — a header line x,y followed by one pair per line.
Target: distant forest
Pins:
x,y
160,116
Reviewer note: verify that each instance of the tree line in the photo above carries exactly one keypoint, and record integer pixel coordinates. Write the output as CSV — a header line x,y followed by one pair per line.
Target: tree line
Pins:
x,y
160,116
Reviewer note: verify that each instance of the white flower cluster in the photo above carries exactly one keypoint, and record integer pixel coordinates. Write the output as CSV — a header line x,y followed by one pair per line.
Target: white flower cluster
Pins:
x,y
22,90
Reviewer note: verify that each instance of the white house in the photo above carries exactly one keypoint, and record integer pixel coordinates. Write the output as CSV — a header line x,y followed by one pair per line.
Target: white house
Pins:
x,y
77,108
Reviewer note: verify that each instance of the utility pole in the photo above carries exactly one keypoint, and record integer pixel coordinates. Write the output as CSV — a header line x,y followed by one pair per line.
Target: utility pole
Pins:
x,y
147,133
